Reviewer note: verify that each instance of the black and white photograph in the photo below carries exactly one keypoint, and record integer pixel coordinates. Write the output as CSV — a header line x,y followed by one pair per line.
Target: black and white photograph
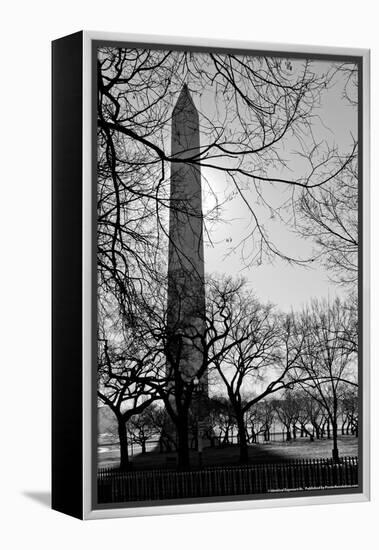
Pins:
x,y
228,191
189,258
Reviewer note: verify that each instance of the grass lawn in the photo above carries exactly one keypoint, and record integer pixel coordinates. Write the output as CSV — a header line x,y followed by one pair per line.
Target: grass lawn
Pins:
x,y
228,456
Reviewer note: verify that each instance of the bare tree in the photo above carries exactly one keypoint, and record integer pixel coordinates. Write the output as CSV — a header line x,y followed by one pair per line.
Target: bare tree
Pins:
x,y
287,409
262,357
259,419
142,427
124,362
266,415
252,109
325,365
163,427
177,387
221,419
310,415
252,423
330,217
330,212
349,411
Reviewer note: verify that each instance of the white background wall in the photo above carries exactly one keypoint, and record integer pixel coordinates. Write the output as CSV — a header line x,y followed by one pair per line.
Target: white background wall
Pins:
x,y
26,30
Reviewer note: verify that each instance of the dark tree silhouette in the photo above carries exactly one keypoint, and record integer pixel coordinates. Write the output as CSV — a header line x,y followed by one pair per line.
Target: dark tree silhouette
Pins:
x,y
260,355
349,411
325,364
331,219
221,419
142,427
253,110
287,409
124,361
174,385
330,212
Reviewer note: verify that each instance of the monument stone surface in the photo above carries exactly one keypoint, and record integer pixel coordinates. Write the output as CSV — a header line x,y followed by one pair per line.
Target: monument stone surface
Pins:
x,y
186,292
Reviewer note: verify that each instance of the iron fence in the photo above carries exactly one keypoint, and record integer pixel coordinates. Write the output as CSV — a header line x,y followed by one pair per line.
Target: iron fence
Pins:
x,y
119,486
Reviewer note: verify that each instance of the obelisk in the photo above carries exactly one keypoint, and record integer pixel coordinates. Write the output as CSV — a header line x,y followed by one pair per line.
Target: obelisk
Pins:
x,y
186,292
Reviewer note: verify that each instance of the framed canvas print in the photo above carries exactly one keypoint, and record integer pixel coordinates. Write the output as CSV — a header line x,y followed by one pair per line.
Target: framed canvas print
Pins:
x,y
210,275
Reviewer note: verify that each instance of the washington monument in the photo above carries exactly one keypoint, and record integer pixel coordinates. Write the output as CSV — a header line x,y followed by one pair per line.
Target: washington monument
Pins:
x,y
186,293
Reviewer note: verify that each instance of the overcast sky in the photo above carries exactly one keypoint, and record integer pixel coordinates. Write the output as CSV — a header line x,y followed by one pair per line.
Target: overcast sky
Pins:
x,y
288,286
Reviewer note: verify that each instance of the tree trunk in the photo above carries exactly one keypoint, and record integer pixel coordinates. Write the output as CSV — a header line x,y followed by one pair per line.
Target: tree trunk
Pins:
x,y
123,437
183,450
335,442
322,431
143,446
307,433
335,428
343,428
328,428
244,449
